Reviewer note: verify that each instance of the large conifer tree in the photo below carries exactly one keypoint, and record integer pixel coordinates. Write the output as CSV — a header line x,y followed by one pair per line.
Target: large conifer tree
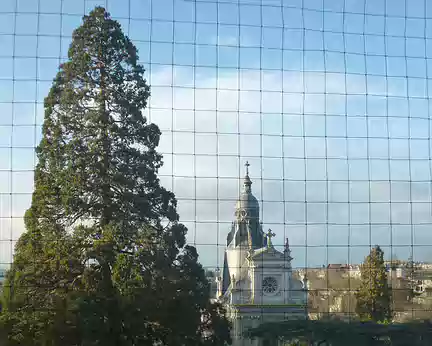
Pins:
x,y
374,294
103,260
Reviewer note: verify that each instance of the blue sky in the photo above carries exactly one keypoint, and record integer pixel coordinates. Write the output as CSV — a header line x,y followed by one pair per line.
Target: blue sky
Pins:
x,y
328,100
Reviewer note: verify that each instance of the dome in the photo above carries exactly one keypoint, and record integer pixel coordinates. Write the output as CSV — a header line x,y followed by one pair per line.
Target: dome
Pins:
x,y
247,205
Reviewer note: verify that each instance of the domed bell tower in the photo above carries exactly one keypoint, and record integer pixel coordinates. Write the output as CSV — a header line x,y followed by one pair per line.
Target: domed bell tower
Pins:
x,y
246,233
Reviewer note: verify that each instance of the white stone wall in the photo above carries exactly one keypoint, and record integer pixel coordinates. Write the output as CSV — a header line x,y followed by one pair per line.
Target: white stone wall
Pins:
x,y
236,257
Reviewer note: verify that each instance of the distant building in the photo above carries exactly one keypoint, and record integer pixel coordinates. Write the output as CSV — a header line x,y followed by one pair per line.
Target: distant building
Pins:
x,y
423,265
346,270
422,280
337,267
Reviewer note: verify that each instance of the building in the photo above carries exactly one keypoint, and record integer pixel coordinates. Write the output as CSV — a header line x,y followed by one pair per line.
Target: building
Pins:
x,y
256,283
422,280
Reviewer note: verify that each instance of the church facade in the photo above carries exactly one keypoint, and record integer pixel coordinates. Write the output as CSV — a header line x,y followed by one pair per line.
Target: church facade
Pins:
x,y
256,283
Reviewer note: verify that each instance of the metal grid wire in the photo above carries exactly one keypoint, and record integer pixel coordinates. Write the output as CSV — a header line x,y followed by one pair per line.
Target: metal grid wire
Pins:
x,y
327,100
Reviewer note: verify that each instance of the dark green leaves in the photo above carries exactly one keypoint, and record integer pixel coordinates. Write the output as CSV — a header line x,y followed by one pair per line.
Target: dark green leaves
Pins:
x,y
334,332
374,294
104,260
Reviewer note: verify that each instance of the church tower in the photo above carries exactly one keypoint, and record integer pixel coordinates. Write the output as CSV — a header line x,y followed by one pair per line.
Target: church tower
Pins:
x,y
256,283
246,232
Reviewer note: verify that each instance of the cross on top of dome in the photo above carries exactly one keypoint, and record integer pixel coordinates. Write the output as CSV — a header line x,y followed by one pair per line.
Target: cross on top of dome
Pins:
x,y
247,182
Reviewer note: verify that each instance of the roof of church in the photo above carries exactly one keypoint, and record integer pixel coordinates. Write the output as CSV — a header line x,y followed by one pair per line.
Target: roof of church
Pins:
x,y
278,255
226,279
270,249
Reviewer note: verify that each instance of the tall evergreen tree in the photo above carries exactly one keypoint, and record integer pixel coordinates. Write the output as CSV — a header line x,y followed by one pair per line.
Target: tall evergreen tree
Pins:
x,y
104,259
374,295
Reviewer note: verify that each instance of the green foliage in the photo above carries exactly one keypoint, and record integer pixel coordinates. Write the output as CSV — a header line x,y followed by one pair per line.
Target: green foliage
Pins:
x,y
104,260
374,295
339,333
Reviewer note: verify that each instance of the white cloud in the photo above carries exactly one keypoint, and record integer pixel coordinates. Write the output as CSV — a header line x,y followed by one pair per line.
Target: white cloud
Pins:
x,y
331,205
243,114
225,40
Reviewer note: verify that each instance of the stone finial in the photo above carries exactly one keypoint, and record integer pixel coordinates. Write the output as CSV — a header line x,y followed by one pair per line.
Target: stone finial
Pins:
x,y
287,248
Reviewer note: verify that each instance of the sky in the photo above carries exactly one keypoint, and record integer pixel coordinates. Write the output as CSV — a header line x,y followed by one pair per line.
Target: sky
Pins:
x,y
328,101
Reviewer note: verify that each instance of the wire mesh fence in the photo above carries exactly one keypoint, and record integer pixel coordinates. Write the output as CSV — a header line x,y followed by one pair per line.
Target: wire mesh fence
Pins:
x,y
327,101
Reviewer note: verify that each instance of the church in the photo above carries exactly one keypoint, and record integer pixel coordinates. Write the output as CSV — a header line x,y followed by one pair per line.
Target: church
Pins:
x,y
256,284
